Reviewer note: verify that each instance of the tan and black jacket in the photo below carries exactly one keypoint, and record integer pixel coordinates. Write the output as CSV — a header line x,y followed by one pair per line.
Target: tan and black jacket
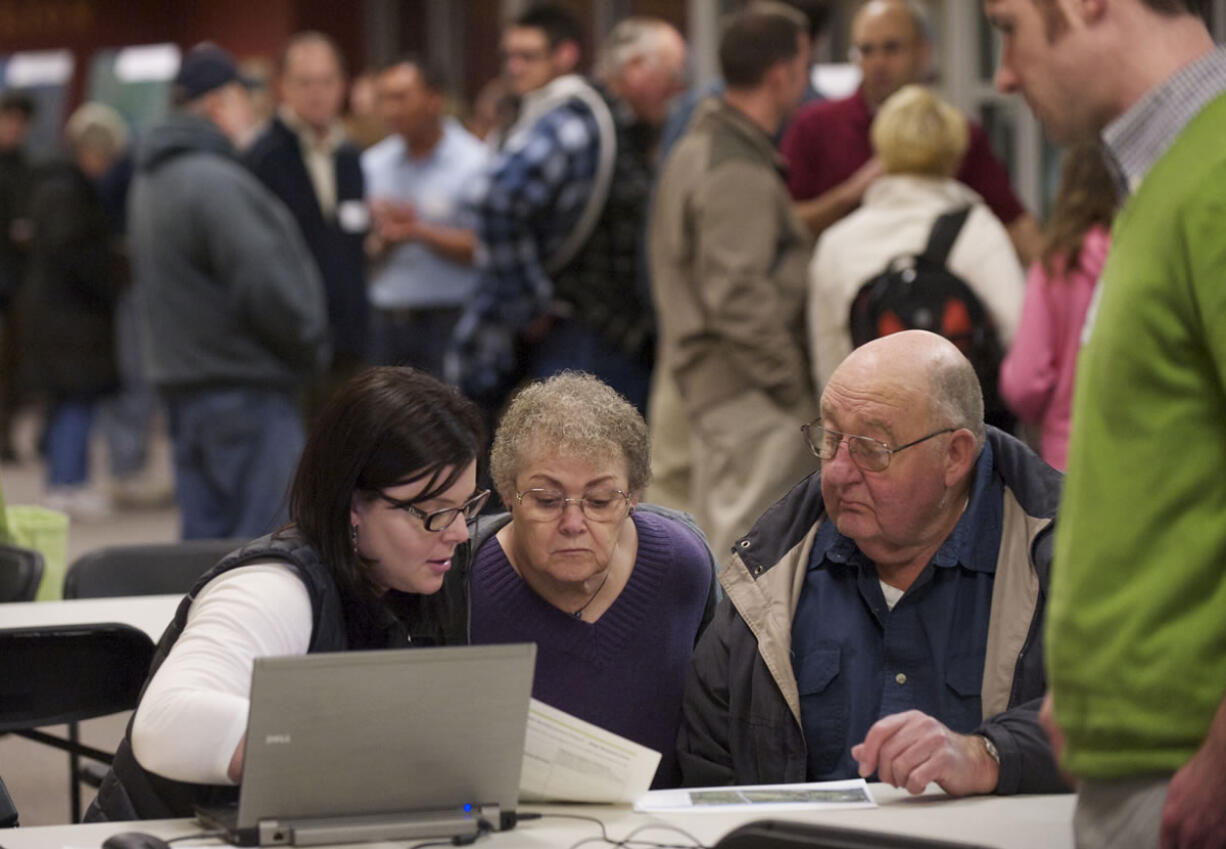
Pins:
x,y
742,706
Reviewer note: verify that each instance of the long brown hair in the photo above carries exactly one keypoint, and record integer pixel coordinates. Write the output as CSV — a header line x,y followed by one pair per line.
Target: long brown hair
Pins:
x,y
1086,197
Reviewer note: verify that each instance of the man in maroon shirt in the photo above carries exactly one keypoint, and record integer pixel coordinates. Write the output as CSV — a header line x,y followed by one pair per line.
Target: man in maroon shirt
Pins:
x,y
830,158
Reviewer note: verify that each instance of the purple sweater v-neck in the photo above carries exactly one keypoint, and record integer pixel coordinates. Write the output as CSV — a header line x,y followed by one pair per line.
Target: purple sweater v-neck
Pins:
x,y
626,671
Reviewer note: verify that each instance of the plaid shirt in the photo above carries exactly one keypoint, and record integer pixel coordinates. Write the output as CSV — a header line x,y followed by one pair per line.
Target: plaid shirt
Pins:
x,y
526,205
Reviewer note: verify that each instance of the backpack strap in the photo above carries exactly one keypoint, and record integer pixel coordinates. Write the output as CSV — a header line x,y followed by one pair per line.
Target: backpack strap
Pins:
x,y
945,231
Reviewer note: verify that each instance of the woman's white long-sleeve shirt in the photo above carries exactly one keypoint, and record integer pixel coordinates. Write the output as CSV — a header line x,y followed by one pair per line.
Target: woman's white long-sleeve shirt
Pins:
x,y
194,712
896,218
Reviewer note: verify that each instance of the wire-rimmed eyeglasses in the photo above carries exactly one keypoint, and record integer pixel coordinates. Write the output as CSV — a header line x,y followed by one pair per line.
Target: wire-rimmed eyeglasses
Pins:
x,y
871,455
546,505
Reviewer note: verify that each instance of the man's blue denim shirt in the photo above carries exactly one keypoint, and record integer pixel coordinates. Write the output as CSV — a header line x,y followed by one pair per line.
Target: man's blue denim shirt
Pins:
x,y
857,661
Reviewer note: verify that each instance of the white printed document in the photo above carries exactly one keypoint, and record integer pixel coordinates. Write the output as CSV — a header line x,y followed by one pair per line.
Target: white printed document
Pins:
x,y
569,760
760,797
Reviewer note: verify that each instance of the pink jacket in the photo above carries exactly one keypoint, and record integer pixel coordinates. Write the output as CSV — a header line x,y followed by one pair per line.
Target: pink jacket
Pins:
x,y
1036,378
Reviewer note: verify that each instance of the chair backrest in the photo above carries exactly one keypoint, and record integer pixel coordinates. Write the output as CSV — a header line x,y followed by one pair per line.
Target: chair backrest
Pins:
x,y
150,569
8,811
21,570
65,673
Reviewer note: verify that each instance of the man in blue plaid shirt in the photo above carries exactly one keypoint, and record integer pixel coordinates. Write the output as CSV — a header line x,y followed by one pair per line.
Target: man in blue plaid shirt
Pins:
x,y
560,216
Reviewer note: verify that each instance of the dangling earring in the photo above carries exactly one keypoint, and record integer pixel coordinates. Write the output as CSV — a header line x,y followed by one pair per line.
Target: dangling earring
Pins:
x,y
353,537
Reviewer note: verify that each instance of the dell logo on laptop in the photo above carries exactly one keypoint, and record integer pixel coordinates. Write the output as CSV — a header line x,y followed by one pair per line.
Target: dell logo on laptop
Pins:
x,y
276,739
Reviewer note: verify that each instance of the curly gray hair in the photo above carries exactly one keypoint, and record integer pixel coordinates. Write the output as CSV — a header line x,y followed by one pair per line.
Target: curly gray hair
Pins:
x,y
571,413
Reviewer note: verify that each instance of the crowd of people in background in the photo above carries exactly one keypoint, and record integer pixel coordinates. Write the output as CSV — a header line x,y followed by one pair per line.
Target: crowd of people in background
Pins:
x,y
709,278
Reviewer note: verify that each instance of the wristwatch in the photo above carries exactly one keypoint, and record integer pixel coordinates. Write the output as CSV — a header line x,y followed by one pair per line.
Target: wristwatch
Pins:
x,y
990,748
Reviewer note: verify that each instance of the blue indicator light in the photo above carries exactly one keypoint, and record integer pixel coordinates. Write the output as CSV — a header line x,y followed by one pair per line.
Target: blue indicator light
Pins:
x,y
468,809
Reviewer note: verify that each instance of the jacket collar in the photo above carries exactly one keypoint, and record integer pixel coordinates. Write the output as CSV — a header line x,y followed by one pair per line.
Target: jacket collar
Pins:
x,y
786,523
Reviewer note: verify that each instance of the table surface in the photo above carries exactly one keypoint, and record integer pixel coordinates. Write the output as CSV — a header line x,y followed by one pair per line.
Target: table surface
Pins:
x,y
1018,822
150,613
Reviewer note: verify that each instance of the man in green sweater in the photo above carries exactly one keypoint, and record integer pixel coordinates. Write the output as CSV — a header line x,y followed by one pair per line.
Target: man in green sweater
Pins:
x,y
1136,639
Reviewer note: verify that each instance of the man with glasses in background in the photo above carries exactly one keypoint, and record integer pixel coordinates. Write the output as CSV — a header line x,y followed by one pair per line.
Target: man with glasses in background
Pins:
x,y
830,159
562,211
884,617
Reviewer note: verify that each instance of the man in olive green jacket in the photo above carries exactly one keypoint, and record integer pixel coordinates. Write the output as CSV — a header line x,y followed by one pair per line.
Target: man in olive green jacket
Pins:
x,y
728,264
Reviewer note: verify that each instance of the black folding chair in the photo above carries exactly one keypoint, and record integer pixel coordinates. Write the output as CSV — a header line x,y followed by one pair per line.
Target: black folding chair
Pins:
x,y
150,569
21,570
145,569
8,811
64,674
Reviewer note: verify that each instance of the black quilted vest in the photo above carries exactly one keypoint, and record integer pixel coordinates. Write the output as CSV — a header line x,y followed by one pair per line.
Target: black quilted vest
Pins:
x,y
341,622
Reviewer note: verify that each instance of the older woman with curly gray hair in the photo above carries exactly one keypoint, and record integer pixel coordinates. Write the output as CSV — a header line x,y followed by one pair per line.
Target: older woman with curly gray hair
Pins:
x,y
613,592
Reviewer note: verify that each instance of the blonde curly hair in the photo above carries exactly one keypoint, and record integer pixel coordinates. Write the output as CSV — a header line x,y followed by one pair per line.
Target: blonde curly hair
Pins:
x,y
574,414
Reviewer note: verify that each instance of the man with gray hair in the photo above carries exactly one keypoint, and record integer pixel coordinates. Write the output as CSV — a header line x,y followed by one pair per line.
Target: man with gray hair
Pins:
x,y
561,222
884,617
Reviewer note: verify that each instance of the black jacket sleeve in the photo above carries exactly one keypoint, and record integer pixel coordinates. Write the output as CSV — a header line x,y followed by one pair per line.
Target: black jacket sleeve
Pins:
x,y
1027,764
702,743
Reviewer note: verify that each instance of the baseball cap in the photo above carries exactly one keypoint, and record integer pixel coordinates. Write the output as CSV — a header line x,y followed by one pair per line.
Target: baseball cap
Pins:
x,y
206,67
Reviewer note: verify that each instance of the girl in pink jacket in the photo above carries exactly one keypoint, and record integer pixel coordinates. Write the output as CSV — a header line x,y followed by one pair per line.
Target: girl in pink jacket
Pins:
x,y
1036,378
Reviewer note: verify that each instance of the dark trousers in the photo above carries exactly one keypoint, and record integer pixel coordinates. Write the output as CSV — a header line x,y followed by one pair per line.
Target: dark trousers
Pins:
x,y
412,337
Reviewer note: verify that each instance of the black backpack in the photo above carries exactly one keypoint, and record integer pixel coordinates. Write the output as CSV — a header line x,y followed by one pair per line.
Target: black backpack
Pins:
x,y
919,292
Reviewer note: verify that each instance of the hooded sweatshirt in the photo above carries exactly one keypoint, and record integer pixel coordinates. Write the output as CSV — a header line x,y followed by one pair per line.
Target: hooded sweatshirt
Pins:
x,y
226,287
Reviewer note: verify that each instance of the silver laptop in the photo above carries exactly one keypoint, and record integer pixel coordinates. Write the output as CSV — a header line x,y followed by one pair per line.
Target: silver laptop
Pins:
x,y
381,745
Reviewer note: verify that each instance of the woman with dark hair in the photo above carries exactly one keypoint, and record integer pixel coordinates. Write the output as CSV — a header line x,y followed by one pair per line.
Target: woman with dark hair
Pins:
x,y
1036,378
383,492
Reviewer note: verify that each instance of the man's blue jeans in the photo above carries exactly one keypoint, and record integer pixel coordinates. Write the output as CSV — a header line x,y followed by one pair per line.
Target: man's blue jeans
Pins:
x,y
67,441
412,337
570,345
235,451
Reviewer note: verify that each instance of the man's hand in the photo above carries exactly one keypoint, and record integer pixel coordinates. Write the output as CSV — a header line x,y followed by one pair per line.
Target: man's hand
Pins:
x,y
854,187
1047,719
1194,816
394,222
912,749
1055,736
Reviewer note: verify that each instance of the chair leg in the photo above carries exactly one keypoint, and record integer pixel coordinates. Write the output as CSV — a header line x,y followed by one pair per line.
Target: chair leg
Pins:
x,y
74,771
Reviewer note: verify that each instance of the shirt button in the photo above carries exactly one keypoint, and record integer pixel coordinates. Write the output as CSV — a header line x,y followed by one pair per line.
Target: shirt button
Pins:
x,y
901,678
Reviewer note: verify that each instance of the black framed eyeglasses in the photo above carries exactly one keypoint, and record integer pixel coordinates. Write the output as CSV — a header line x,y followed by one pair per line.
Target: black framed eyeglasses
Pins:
x,y
546,505
439,520
871,455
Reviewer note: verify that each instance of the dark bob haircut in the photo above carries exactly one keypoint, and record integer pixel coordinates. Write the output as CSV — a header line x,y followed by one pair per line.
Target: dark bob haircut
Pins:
x,y
386,427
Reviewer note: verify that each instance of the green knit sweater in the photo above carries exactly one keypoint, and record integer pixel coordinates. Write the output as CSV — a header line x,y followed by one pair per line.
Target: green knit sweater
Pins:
x,y
1136,638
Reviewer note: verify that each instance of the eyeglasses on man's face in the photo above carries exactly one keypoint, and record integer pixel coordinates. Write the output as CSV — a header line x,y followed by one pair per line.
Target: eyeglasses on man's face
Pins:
x,y
599,505
438,520
871,455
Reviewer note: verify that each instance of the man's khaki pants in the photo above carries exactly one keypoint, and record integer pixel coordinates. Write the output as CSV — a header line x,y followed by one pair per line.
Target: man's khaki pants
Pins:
x,y
1120,814
747,452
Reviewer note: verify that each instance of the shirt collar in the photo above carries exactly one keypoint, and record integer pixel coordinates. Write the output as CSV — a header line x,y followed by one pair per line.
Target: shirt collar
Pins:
x,y
332,139
1138,138
445,134
959,547
742,123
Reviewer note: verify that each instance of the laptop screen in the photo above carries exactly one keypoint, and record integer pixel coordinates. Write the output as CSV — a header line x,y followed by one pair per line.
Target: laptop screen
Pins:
x,y
357,734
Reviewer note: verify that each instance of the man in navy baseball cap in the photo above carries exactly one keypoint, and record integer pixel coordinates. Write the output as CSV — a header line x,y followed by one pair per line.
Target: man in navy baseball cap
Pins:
x,y
206,67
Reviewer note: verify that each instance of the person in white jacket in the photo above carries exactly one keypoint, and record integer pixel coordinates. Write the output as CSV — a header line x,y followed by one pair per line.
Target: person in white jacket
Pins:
x,y
920,140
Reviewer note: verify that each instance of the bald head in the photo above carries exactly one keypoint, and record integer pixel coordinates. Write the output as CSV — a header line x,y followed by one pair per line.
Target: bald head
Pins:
x,y
906,12
890,45
915,370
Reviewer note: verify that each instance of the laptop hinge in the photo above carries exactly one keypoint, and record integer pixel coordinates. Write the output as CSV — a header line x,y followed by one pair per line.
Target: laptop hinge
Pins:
x,y
318,831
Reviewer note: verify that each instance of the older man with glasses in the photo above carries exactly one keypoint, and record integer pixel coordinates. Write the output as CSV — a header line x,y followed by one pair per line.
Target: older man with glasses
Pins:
x,y
884,618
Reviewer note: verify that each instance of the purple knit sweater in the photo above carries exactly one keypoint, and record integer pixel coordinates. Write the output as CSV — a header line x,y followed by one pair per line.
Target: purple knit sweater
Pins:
x,y
626,671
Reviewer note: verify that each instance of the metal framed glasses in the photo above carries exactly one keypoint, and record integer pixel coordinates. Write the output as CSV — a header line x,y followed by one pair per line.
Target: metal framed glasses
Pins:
x,y
546,505
438,520
871,455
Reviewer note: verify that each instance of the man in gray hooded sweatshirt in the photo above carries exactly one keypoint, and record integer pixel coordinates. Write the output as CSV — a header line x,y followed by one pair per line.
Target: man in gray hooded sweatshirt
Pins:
x,y
232,306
